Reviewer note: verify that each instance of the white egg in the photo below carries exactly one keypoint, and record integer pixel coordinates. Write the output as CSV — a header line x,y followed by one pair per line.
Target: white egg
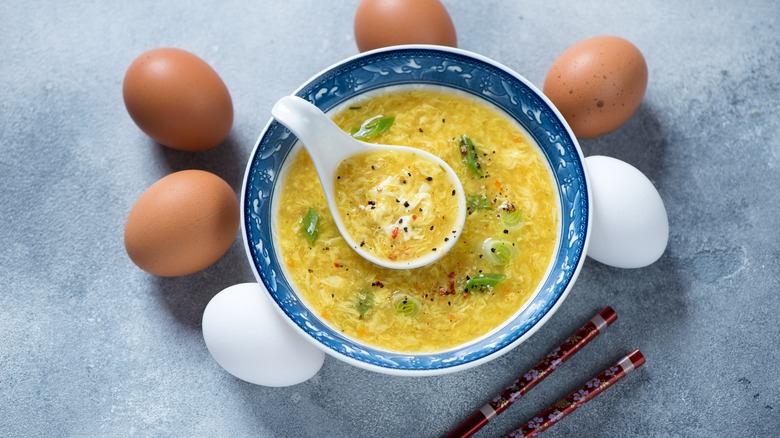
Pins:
x,y
629,227
250,340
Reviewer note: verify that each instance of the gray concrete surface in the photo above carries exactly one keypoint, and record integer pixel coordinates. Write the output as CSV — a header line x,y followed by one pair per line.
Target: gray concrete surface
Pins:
x,y
92,346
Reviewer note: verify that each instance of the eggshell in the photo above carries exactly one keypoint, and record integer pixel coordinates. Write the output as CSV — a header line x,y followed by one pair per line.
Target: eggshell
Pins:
x,y
382,23
629,227
178,99
597,84
182,224
246,337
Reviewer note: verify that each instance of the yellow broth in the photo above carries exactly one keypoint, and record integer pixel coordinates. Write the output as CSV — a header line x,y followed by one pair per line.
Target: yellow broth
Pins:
x,y
429,308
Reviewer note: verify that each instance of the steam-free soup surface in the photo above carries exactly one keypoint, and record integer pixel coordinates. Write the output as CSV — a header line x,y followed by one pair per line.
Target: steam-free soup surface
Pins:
x,y
398,205
493,269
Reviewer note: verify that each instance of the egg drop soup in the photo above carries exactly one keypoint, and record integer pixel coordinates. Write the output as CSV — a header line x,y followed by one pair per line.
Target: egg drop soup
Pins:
x,y
492,271
398,206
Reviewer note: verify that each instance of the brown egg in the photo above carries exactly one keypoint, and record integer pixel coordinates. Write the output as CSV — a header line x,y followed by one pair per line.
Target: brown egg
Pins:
x,y
382,23
597,84
182,224
178,99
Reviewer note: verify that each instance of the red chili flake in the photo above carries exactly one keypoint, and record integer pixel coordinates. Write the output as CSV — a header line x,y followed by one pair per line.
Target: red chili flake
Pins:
x,y
451,274
336,265
414,217
394,232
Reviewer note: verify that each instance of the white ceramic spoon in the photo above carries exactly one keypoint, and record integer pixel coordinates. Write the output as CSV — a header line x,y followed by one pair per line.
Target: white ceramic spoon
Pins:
x,y
328,146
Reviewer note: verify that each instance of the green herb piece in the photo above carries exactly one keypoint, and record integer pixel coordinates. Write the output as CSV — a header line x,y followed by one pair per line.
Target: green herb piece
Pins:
x,y
484,281
478,202
373,127
470,155
364,301
498,252
309,225
512,218
406,304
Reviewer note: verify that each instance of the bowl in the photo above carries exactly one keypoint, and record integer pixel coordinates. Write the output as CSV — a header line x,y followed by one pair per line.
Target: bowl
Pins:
x,y
434,66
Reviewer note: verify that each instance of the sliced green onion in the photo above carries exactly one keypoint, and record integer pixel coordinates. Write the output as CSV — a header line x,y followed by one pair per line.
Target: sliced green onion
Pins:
x,y
406,304
373,127
498,252
470,155
512,218
309,225
484,281
477,202
364,301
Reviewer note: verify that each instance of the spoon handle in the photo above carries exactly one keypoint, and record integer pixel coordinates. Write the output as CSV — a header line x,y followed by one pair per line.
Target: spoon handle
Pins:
x,y
323,139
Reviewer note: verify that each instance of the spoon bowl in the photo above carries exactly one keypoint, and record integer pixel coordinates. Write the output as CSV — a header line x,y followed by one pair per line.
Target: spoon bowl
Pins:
x,y
329,147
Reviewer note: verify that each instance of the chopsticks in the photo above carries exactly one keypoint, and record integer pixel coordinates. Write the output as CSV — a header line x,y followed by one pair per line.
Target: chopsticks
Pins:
x,y
568,404
539,372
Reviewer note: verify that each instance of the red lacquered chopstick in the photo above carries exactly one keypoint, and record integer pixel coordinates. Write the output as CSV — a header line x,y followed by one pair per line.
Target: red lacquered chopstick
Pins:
x,y
568,404
542,369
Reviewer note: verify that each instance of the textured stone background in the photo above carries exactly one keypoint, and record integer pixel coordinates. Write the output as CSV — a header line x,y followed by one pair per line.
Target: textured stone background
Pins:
x,y
92,346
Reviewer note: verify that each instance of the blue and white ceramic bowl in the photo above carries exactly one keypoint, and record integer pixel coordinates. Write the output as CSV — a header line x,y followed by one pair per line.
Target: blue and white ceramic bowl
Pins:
x,y
435,66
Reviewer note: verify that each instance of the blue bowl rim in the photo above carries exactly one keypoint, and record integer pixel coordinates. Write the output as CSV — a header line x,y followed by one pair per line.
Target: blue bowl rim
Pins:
x,y
411,364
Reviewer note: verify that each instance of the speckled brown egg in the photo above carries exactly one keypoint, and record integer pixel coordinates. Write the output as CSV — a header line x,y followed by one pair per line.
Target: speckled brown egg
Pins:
x,y
597,84
383,23
178,99
182,224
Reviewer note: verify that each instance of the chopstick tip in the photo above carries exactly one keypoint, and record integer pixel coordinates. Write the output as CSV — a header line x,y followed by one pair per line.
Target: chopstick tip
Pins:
x,y
637,358
609,315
